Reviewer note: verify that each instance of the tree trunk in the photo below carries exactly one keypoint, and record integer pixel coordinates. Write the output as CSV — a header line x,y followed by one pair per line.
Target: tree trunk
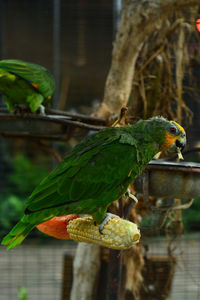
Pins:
x,y
85,269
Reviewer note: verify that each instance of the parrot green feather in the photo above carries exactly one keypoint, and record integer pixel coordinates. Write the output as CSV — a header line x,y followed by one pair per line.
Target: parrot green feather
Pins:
x,y
24,83
96,172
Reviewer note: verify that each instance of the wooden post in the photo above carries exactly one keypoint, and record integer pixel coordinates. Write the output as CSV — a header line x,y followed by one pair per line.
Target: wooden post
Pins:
x,y
115,278
67,276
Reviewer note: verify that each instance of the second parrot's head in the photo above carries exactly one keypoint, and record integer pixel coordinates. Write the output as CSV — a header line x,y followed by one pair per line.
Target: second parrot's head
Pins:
x,y
169,134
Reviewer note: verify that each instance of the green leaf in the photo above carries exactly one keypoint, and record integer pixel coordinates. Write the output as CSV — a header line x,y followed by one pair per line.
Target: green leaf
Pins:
x,y
22,294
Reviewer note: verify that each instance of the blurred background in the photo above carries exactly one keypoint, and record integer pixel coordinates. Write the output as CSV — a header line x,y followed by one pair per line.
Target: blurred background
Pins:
x,y
74,40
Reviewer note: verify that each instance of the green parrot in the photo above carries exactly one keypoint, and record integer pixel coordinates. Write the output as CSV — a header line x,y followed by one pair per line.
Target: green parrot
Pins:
x,y
25,84
97,172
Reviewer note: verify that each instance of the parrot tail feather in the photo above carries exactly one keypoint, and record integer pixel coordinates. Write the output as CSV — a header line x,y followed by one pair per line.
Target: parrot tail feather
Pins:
x,y
17,234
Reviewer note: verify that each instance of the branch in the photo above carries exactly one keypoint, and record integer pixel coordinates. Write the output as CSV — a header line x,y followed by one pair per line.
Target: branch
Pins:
x,y
169,208
76,116
56,117
71,116
147,230
53,119
28,135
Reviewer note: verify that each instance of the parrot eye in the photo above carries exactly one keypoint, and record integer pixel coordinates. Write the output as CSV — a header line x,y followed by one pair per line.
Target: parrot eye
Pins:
x,y
172,130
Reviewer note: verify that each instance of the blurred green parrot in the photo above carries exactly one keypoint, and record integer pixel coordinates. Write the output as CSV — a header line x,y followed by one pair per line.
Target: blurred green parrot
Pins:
x,y
97,172
25,84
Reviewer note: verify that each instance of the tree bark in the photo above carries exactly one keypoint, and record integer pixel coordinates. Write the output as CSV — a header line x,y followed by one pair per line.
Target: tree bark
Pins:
x,y
85,269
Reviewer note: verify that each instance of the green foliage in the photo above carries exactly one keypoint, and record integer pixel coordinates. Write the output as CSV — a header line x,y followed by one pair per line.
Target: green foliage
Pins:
x,y
11,209
26,175
22,294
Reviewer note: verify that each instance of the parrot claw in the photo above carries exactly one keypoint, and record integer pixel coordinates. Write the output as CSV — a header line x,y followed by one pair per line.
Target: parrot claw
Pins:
x,y
106,219
19,109
129,194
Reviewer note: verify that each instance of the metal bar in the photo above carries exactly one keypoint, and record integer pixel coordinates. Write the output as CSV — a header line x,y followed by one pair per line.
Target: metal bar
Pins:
x,y
56,51
2,12
163,167
114,283
67,276
117,7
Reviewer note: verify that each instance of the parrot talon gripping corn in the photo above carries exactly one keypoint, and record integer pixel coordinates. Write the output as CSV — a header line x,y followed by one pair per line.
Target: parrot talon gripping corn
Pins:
x,y
117,234
107,217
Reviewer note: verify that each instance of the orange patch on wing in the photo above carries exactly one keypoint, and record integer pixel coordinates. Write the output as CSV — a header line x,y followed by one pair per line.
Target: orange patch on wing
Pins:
x,y
35,85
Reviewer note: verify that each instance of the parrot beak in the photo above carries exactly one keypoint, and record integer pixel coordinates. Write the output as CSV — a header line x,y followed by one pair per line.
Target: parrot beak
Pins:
x,y
181,142
178,145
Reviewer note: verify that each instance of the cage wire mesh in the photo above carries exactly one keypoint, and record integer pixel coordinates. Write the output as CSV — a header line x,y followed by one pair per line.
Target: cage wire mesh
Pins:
x,y
185,276
39,268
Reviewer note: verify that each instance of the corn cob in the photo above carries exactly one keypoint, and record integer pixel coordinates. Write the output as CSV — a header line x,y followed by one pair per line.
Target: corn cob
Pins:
x,y
117,233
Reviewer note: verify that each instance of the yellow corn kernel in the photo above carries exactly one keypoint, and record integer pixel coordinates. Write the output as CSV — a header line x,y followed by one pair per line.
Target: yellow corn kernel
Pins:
x,y
180,156
117,233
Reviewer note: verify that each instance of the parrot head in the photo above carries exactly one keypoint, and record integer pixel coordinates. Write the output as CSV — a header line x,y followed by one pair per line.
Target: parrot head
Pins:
x,y
175,139
169,135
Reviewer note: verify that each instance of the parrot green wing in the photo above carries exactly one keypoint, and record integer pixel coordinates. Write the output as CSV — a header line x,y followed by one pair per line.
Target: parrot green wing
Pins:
x,y
91,176
39,77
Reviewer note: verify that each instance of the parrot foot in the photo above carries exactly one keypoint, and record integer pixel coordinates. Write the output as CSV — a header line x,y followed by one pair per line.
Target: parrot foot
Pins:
x,y
41,110
129,194
107,217
20,109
